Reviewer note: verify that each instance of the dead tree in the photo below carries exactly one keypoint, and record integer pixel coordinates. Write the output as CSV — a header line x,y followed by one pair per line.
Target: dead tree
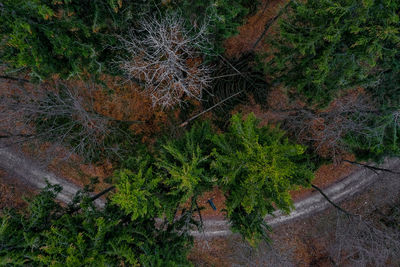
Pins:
x,y
164,56
363,243
324,130
371,238
62,114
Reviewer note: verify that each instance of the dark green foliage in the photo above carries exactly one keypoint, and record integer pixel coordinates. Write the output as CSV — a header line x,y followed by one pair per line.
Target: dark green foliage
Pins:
x,y
72,37
186,162
148,219
386,91
65,37
325,46
224,17
137,192
257,166
379,138
48,234
178,175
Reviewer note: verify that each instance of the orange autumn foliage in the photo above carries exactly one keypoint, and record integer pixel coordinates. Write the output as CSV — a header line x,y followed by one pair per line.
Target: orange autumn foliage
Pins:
x,y
124,102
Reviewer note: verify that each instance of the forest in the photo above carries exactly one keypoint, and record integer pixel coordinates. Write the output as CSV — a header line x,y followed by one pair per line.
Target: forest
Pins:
x,y
173,115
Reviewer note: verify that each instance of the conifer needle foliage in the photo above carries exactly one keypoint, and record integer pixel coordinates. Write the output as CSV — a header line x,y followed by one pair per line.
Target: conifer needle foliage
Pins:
x,y
65,37
325,46
47,234
147,221
257,166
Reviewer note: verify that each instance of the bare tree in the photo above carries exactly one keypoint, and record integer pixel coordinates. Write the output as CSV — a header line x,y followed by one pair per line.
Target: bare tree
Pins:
x,y
360,242
324,130
62,115
165,57
371,238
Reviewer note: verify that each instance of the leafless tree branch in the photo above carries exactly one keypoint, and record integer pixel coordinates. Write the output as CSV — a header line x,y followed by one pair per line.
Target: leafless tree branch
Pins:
x,y
165,56
325,130
63,115
360,242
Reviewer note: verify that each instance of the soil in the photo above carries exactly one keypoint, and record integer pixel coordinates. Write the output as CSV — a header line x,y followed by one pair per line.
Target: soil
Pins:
x,y
13,192
252,29
325,176
217,197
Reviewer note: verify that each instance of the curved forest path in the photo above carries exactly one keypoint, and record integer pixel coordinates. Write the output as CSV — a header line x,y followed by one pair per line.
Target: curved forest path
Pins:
x,y
33,174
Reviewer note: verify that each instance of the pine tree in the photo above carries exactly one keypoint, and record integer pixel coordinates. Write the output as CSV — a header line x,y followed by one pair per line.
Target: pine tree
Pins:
x,y
325,46
65,37
257,166
49,234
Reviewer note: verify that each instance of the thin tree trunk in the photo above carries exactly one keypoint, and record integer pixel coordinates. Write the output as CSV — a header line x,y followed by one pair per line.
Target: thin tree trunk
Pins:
x,y
93,198
270,23
14,79
373,168
105,191
330,201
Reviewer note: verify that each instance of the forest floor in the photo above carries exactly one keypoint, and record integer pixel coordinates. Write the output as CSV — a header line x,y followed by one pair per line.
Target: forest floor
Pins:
x,y
13,191
21,170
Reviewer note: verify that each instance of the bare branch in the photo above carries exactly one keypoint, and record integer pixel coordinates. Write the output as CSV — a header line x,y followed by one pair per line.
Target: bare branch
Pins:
x,y
330,201
165,56
63,115
364,243
324,130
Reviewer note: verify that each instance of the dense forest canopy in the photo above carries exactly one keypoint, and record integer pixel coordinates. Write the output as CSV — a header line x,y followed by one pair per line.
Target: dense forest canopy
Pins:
x,y
147,87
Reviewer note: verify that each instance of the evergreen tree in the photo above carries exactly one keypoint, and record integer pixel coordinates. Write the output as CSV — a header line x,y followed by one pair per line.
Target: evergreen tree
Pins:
x,y
378,138
185,164
47,234
325,46
257,166
65,37
223,17
148,220
177,175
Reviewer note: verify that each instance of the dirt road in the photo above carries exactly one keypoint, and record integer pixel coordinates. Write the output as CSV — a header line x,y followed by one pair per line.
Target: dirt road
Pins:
x,y
30,172
34,175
